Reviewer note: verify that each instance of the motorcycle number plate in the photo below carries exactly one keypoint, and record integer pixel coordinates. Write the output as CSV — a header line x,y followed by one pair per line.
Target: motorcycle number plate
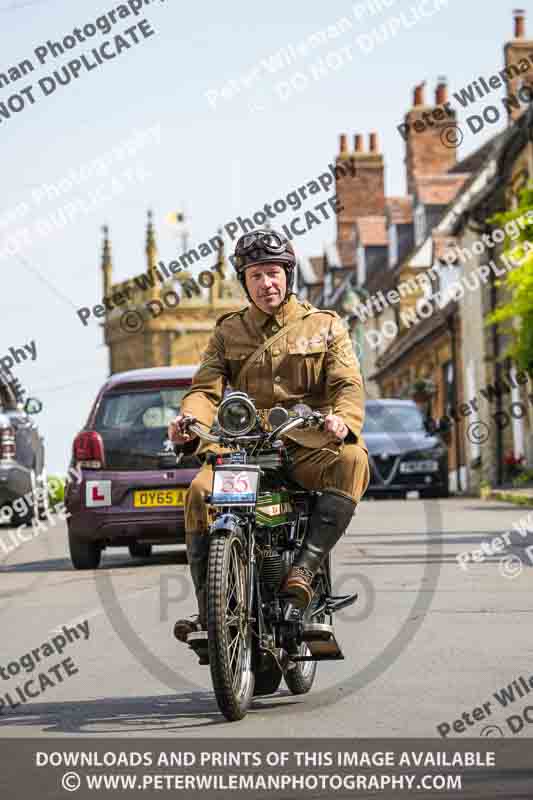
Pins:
x,y
235,485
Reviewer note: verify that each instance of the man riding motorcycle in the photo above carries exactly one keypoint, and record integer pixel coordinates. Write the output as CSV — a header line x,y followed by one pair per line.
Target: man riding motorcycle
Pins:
x,y
281,351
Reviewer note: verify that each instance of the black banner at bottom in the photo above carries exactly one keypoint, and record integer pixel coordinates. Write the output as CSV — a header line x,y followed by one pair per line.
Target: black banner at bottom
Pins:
x,y
476,769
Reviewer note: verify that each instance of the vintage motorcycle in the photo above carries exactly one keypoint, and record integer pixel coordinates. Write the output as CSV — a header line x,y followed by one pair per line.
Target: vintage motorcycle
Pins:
x,y
255,637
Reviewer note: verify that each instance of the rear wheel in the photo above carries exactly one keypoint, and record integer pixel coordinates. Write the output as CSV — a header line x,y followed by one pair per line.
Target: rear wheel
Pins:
x,y
83,554
138,550
229,631
267,679
300,679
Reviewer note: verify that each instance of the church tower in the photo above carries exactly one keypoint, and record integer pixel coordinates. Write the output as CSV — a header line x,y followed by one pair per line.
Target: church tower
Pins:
x,y
153,321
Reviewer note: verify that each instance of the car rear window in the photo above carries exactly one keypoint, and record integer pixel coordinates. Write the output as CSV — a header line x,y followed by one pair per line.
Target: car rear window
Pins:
x,y
133,426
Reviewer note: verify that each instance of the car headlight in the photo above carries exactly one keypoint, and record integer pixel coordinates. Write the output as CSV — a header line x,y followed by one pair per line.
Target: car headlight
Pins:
x,y
236,415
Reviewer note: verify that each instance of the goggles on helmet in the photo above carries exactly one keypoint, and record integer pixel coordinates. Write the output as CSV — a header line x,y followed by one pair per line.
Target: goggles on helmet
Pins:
x,y
269,241
260,246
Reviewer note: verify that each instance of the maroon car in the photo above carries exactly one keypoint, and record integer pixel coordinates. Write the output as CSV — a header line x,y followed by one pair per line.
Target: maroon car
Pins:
x,y
131,491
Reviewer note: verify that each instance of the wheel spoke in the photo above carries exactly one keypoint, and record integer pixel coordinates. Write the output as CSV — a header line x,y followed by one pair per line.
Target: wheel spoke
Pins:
x,y
233,652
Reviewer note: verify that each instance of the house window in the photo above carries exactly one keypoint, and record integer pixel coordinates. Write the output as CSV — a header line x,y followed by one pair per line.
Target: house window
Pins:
x,y
393,246
420,224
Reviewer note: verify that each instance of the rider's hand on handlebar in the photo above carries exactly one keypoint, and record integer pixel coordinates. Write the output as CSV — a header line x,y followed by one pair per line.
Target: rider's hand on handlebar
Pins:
x,y
337,426
177,430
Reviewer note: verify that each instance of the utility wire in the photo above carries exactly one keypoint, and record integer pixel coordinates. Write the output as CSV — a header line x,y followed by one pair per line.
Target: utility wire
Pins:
x,y
44,280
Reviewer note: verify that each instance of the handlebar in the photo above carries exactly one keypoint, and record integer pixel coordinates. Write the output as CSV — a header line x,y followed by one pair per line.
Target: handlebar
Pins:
x,y
316,418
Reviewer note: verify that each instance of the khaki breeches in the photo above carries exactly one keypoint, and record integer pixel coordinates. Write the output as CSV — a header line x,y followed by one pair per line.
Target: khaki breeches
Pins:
x,y
342,468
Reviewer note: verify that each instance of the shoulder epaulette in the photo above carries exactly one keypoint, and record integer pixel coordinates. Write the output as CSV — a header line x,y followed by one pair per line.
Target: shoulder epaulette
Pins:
x,y
231,314
323,311
309,307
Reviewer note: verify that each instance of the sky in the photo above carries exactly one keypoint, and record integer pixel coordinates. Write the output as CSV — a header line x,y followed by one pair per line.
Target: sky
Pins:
x,y
213,109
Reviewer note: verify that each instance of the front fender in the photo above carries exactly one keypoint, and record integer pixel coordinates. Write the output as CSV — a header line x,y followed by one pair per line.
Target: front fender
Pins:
x,y
227,524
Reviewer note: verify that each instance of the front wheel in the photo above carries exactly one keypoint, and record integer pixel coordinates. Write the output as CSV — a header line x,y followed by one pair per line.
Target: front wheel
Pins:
x,y
229,630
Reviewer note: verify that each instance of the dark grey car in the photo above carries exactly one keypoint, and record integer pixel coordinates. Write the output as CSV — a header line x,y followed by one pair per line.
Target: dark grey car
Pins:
x,y
406,451
23,484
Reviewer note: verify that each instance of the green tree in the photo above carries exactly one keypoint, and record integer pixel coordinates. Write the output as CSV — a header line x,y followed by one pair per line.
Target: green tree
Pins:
x,y
518,247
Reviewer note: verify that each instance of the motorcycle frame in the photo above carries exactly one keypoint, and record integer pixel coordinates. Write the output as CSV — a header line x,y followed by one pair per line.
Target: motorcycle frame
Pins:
x,y
241,520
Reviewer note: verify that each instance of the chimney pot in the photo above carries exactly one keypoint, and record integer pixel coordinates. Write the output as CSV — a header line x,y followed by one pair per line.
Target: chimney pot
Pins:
x,y
358,143
441,93
343,143
519,23
418,98
373,142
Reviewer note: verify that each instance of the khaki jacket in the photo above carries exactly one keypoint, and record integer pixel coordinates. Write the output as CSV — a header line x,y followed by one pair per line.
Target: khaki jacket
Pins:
x,y
314,364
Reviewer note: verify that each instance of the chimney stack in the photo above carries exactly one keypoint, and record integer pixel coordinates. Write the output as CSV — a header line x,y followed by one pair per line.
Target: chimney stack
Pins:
x,y
519,23
418,94
343,148
516,50
425,152
361,191
441,92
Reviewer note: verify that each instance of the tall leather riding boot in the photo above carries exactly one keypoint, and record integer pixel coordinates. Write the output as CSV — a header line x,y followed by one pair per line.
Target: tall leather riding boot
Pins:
x,y
197,555
330,518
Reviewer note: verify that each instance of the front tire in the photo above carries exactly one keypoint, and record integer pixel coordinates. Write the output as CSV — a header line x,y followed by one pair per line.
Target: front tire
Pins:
x,y
83,554
229,631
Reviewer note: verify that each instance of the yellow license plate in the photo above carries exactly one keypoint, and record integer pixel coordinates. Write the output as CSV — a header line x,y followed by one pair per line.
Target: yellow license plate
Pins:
x,y
152,498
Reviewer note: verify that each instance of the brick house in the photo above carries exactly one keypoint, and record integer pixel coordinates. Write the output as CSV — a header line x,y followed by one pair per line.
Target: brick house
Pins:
x,y
411,322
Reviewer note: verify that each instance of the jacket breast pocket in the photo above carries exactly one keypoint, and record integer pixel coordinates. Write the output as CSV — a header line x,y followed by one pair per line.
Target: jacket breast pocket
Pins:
x,y
306,364
236,358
